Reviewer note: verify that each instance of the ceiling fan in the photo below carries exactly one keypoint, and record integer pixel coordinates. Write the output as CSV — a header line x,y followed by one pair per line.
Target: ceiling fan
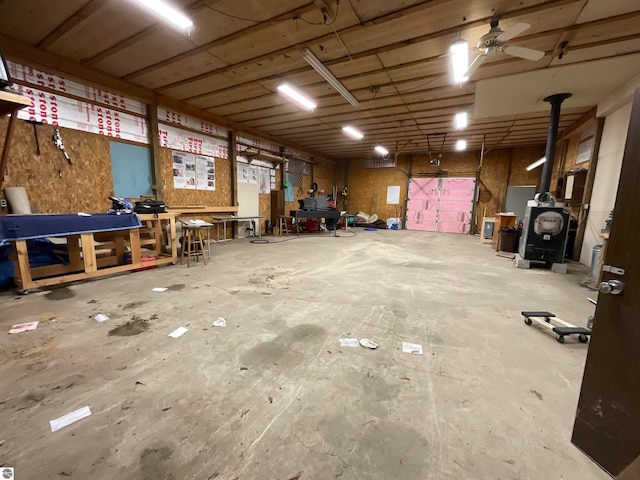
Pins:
x,y
497,40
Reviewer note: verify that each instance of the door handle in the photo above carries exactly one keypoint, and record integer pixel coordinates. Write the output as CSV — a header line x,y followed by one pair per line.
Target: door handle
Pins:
x,y
613,287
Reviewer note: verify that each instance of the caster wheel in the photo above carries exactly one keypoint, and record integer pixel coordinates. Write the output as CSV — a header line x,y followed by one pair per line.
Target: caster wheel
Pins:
x,y
583,338
560,338
23,292
528,321
547,319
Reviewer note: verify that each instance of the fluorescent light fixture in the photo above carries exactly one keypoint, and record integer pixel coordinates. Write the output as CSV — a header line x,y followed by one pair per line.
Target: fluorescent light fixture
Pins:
x,y
461,120
461,145
168,12
352,132
297,97
459,60
317,65
536,164
381,150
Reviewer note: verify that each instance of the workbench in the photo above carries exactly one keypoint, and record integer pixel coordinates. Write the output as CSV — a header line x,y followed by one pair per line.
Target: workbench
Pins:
x,y
332,214
95,245
220,219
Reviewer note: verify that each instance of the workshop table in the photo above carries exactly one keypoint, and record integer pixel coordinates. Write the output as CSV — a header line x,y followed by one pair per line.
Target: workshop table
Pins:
x,y
231,218
332,214
96,244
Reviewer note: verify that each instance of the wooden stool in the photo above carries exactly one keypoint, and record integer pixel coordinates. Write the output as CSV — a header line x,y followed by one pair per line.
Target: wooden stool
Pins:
x,y
283,224
192,236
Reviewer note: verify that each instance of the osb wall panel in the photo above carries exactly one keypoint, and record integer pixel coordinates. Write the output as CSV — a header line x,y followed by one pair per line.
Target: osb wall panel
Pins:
x,y
324,175
83,187
264,210
521,158
368,187
175,197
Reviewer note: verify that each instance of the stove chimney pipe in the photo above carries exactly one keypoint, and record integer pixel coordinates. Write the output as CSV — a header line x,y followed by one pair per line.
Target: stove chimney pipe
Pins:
x,y
547,169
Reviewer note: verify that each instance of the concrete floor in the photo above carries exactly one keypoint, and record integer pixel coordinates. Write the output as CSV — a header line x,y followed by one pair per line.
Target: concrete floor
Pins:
x,y
272,394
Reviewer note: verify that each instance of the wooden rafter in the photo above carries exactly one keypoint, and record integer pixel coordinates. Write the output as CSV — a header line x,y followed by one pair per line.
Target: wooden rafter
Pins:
x,y
78,17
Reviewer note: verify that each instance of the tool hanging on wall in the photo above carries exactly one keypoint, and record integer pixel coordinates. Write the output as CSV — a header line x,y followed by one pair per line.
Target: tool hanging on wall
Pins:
x,y
57,140
35,133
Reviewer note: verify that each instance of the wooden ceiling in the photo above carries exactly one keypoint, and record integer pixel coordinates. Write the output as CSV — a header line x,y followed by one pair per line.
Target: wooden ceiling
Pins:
x,y
390,54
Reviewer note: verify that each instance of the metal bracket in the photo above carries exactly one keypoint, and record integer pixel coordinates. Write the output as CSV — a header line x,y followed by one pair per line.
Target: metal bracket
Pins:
x,y
614,270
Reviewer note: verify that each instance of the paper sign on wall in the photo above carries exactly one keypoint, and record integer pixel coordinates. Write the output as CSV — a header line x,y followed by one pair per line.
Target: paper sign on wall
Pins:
x,y
196,172
393,194
264,183
247,173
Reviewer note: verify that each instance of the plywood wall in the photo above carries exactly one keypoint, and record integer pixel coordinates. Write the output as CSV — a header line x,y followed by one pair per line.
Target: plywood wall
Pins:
x,y
83,186
500,168
176,197
368,187
324,176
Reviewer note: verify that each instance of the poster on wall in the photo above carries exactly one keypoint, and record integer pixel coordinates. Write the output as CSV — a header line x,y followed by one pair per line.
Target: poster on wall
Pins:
x,y
247,173
288,192
393,195
191,171
272,173
205,172
264,180
184,170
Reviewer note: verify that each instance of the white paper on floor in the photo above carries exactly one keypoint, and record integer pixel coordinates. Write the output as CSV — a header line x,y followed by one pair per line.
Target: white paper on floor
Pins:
x,y
23,327
69,418
414,348
159,289
220,322
101,317
348,342
366,343
178,332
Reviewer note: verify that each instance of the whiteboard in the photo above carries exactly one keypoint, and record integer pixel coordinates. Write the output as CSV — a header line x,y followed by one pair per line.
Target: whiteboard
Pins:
x,y
248,204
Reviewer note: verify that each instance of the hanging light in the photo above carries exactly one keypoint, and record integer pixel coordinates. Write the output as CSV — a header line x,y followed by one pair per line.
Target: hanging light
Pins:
x,y
168,12
461,145
459,60
297,97
536,164
461,120
353,132
381,150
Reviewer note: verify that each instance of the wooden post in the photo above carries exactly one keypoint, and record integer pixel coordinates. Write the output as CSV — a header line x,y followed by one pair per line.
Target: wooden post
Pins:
x,y
588,187
234,174
156,152
7,143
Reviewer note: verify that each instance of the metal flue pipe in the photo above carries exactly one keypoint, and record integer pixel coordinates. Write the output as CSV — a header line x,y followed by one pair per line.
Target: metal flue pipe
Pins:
x,y
552,136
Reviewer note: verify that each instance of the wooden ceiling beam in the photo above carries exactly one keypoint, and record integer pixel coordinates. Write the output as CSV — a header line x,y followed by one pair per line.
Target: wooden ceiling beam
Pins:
x,y
368,24
127,42
223,40
75,19
133,39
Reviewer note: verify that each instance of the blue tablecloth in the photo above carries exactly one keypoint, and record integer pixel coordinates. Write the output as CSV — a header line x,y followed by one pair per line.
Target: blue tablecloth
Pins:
x,y
28,227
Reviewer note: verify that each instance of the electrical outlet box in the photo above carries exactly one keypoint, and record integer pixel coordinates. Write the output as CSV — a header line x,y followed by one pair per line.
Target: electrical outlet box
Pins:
x,y
3,203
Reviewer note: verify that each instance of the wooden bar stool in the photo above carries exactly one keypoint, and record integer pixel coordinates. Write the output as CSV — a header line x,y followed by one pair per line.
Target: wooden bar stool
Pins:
x,y
192,244
283,224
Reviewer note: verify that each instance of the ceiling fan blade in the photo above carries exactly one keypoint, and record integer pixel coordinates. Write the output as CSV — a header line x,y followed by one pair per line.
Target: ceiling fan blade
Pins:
x,y
514,31
475,65
522,52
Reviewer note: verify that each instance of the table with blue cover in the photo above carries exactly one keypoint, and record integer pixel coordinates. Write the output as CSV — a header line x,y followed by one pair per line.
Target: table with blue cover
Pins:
x,y
112,235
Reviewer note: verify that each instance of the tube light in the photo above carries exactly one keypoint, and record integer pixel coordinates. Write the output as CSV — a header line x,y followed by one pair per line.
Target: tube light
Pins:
x,y
536,164
317,65
459,60
461,120
297,97
381,150
168,12
461,145
352,132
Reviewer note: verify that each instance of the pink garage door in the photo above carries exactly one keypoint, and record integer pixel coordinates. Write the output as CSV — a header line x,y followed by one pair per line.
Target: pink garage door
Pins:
x,y
440,204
